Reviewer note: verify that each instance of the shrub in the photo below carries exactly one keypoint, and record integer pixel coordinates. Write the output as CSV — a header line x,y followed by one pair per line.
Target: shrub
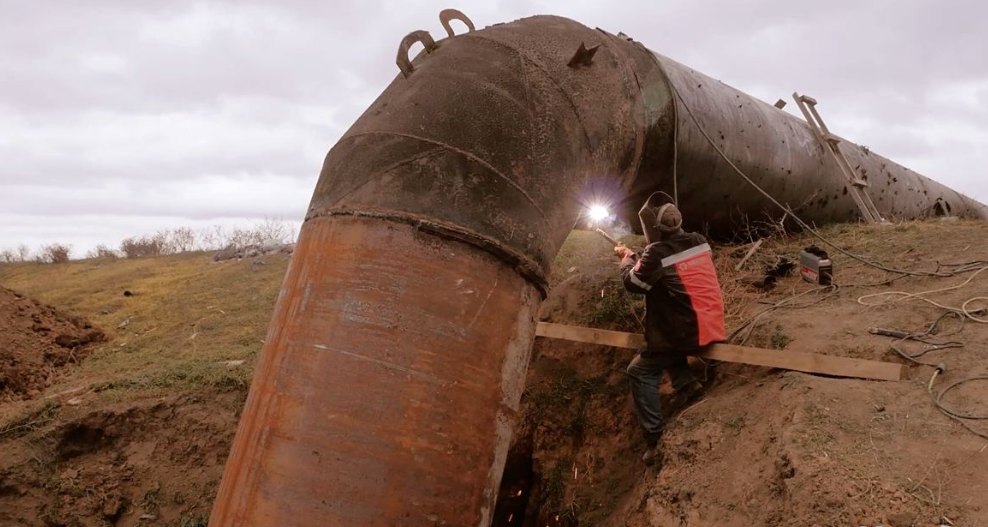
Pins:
x,y
182,239
54,253
102,252
144,246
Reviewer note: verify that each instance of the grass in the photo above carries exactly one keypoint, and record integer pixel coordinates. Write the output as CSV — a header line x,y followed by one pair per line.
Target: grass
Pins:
x,y
779,339
187,316
553,397
579,245
553,484
30,421
736,423
149,501
616,308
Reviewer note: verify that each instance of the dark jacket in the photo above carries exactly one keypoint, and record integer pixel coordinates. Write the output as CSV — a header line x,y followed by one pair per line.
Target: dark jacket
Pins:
x,y
683,306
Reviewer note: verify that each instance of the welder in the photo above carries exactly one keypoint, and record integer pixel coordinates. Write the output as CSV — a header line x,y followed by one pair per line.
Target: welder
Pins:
x,y
684,311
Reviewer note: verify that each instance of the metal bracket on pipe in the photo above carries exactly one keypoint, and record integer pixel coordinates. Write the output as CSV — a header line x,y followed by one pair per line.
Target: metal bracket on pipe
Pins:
x,y
423,36
453,14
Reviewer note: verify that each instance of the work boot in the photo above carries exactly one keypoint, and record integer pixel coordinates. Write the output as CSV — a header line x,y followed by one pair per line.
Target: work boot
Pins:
x,y
652,456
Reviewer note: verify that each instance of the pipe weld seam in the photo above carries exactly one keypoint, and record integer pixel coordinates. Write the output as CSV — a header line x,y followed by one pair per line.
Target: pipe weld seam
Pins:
x,y
523,265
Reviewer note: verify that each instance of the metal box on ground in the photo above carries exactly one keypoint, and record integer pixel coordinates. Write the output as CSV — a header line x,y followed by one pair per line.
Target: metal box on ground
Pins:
x,y
815,266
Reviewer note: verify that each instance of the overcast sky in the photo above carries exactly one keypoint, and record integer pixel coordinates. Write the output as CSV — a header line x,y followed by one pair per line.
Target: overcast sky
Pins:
x,y
121,117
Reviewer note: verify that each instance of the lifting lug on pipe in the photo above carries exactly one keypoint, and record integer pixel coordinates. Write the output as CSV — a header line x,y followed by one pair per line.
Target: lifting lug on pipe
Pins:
x,y
423,36
454,14
583,56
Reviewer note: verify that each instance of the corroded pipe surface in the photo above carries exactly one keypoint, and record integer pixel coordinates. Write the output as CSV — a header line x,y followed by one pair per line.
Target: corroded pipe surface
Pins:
x,y
387,388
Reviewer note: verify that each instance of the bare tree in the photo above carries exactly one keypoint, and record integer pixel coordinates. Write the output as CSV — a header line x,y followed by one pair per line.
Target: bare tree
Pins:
x,y
144,246
23,253
8,256
164,241
54,253
183,239
102,252
240,238
212,238
274,230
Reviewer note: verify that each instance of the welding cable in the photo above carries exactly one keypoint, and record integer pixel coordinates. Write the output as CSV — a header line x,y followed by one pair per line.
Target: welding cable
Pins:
x,y
961,418
964,267
751,323
938,368
963,311
914,357
788,210
901,337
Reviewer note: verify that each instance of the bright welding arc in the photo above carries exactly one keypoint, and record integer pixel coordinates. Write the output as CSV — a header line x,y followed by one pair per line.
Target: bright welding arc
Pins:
x,y
598,213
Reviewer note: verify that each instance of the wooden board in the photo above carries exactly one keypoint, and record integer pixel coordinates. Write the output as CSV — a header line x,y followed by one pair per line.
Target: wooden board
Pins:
x,y
787,360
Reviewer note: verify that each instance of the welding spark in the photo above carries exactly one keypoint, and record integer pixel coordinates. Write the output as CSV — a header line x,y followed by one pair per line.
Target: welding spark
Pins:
x,y
598,212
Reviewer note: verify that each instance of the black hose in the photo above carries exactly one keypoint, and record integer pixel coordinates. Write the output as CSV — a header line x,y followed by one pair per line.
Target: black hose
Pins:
x,y
961,418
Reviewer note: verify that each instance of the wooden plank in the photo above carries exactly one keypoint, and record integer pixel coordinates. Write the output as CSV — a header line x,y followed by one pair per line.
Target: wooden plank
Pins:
x,y
787,360
808,100
617,339
806,362
751,251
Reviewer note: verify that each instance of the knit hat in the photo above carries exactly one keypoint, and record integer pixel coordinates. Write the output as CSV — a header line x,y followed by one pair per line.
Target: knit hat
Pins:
x,y
670,220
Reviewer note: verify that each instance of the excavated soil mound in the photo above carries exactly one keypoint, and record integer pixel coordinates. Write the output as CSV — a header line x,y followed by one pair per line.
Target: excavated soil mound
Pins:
x,y
148,463
36,342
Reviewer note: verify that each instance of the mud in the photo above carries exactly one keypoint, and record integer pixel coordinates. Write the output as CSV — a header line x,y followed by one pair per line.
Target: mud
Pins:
x,y
155,462
37,342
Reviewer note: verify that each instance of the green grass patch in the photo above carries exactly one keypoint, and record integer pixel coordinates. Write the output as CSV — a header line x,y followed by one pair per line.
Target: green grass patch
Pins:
x,y
187,316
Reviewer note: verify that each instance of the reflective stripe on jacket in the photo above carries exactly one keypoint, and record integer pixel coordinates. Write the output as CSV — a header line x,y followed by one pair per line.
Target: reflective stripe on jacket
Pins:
x,y
683,305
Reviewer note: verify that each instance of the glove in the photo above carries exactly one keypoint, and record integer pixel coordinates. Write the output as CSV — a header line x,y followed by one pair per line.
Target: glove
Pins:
x,y
623,252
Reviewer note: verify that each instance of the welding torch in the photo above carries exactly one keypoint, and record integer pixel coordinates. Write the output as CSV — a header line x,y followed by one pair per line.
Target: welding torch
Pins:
x,y
616,244
608,237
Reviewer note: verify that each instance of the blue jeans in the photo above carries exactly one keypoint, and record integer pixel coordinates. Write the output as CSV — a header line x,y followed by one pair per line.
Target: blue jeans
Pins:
x,y
646,375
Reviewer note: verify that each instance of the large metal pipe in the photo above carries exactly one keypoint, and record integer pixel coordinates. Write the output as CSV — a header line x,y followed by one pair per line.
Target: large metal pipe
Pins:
x,y
783,155
387,389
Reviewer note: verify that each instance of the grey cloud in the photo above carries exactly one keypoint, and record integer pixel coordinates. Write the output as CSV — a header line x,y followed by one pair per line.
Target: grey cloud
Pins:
x,y
112,110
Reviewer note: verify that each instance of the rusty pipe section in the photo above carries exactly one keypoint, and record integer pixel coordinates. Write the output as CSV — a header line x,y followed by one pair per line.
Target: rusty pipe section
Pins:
x,y
389,383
